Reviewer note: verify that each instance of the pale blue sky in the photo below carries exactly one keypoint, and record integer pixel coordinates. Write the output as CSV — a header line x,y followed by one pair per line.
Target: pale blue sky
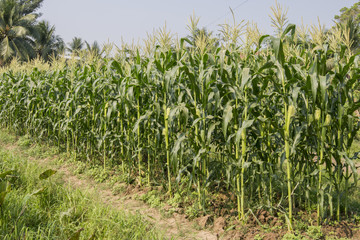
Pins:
x,y
104,20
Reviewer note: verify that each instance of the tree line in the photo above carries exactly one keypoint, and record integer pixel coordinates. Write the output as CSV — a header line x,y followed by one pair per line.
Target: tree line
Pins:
x,y
24,36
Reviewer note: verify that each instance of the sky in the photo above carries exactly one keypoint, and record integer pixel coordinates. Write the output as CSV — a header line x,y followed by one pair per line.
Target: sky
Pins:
x,y
124,20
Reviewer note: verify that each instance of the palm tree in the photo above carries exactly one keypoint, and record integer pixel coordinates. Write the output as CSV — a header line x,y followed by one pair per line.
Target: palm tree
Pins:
x,y
17,24
94,48
46,42
75,45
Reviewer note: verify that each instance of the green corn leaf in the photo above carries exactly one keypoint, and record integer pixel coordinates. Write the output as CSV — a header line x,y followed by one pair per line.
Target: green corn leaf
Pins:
x,y
314,86
178,143
228,114
245,77
210,130
46,174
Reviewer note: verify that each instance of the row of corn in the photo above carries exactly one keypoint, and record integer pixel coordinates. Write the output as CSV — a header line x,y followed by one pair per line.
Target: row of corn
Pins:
x,y
272,125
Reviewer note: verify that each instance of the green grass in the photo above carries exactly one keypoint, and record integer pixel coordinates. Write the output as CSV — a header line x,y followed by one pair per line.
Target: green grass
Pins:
x,y
58,212
6,138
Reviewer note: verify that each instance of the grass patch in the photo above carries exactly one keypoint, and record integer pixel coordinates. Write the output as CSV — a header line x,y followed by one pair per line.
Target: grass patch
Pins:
x,y
46,209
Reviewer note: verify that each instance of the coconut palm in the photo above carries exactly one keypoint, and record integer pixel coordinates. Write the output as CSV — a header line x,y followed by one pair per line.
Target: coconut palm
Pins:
x,y
30,6
47,43
94,48
75,45
17,21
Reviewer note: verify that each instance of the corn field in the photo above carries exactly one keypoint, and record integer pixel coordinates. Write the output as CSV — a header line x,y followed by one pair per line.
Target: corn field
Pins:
x,y
272,122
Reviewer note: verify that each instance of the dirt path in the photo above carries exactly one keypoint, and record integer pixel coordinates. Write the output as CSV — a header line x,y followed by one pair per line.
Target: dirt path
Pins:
x,y
175,226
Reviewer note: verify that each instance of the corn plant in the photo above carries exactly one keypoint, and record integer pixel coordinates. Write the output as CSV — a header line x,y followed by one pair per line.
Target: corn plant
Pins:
x,y
270,122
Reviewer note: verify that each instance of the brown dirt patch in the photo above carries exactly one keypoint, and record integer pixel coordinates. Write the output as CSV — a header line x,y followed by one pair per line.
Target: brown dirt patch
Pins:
x,y
341,230
219,225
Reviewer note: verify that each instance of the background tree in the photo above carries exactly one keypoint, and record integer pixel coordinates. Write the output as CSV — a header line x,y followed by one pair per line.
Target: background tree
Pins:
x,y
94,48
349,23
76,45
350,31
200,37
349,13
47,43
17,24
30,6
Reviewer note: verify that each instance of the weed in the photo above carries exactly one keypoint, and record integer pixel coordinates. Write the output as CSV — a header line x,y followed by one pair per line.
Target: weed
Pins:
x,y
24,141
291,236
314,232
258,237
